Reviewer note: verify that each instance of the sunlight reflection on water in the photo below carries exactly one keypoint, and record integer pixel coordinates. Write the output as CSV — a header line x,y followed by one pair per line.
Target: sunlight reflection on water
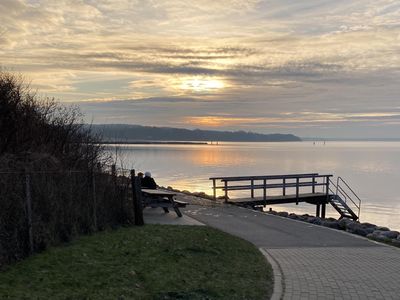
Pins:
x,y
371,168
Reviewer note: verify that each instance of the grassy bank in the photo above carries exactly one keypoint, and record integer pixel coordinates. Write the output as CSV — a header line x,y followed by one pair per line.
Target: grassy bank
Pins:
x,y
149,262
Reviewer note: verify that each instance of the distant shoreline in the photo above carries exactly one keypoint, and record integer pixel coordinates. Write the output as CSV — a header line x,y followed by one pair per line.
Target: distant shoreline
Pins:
x,y
126,132
153,143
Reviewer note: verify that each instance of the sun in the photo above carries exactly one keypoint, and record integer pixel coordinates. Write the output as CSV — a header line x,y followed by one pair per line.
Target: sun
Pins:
x,y
202,84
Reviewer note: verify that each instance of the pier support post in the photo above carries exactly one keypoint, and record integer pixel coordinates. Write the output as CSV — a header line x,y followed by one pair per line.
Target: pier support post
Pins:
x,y
284,187
265,189
226,191
214,190
318,209
252,188
323,210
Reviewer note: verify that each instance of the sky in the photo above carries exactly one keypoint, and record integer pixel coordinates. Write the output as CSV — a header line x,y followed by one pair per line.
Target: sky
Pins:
x,y
312,68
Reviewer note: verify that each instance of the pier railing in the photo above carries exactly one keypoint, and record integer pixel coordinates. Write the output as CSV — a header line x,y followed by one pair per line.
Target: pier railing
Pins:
x,y
267,182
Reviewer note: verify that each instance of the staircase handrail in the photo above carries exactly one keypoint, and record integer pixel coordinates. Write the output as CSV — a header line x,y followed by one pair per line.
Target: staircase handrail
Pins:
x,y
347,196
354,193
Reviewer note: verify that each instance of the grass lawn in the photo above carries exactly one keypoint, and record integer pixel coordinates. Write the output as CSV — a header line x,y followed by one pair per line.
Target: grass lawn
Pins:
x,y
149,262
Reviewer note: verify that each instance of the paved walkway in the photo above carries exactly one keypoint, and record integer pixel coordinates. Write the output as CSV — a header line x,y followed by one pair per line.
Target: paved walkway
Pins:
x,y
314,262
158,216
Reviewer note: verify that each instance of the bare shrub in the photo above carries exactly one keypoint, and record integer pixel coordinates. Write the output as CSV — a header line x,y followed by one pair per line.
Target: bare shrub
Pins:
x,y
46,148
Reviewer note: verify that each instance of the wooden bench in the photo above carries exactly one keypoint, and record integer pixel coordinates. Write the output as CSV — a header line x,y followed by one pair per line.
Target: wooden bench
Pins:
x,y
180,203
164,199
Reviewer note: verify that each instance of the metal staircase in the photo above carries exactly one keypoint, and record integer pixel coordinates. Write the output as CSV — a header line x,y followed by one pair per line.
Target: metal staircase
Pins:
x,y
344,200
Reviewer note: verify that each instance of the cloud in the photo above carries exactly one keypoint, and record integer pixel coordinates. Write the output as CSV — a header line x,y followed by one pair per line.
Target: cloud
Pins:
x,y
270,56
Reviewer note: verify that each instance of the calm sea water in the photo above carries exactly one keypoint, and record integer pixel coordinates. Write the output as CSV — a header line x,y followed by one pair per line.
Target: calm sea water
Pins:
x,y
371,168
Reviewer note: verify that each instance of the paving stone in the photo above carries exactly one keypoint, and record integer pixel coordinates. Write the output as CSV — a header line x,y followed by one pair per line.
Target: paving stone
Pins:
x,y
342,272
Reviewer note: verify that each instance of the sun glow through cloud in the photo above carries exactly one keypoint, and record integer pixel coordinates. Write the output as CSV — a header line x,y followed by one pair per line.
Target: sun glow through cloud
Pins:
x,y
200,84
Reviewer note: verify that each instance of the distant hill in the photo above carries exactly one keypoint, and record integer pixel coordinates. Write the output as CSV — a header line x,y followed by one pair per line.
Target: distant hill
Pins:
x,y
132,133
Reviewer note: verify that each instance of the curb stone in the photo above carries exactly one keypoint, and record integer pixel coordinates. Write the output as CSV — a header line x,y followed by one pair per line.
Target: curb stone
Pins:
x,y
279,286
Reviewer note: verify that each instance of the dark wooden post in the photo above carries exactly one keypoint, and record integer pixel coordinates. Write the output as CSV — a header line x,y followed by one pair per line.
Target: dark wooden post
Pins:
x,y
94,199
226,191
113,170
313,184
252,188
327,197
29,210
323,210
265,189
297,190
214,190
137,199
318,209
327,186
284,186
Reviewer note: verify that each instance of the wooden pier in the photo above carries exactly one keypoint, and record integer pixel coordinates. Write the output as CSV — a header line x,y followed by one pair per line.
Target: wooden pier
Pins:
x,y
311,188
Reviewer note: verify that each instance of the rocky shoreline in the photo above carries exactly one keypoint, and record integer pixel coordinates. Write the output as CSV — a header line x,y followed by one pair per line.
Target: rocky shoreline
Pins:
x,y
374,232
371,231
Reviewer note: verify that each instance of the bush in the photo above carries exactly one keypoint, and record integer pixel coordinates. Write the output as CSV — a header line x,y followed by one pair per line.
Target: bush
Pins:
x,y
47,150
31,125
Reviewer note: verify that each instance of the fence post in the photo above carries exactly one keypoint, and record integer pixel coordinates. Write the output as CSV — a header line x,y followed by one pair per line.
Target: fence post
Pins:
x,y
94,199
137,199
252,188
297,190
113,170
29,210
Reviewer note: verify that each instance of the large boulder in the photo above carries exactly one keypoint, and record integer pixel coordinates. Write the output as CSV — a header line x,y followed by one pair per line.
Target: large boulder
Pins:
x,y
369,229
314,220
377,236
304,217
344,223
283,214
351,226
382,228
331,224
360,230
384,235
390,234
293,216
396,242
368,225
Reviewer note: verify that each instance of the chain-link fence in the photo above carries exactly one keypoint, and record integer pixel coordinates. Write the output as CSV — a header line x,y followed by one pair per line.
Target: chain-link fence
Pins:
x,y
38,209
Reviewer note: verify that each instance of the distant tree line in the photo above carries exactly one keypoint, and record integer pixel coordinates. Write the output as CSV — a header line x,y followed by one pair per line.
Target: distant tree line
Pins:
x,y
123,132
